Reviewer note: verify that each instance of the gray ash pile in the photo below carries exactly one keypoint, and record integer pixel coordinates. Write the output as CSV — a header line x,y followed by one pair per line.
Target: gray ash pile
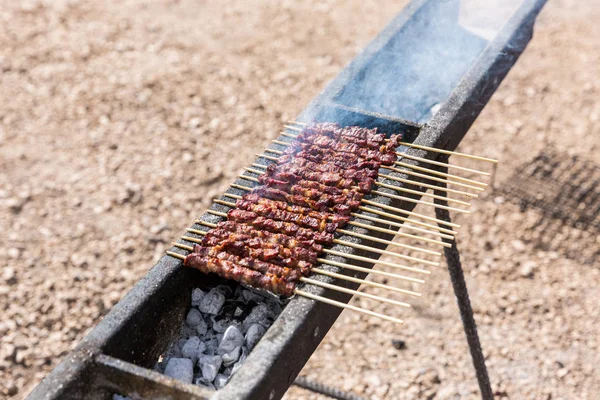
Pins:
x,y
222,326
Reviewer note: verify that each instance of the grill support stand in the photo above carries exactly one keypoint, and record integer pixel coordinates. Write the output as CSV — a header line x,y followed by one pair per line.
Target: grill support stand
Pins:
x,y
457,277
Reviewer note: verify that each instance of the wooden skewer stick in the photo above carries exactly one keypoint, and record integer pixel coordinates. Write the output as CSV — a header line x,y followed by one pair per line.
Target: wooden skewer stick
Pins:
x,y
385,207
426,185
369,271
402,234
333,302
398,225
385,252
342,265
292,128
176,255
416,146
452,153
367,259
267,157
387,242
426,203
354,292
435,179
346,306
384,194
350,233
364,282
412,221
448,165
420,193
439,221
403,219
183,246
429,172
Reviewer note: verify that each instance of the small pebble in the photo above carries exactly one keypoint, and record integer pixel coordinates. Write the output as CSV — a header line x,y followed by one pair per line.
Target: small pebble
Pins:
x,y
399,344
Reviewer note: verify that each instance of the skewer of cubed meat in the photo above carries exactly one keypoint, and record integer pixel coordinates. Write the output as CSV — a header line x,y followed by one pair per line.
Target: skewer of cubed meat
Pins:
x,y
341,160
241,244
343,149
287,241
338,161
348,172
319,225
252,262
303,197
371,141
368,138
295,174
287,228
307,196
231,270
256,199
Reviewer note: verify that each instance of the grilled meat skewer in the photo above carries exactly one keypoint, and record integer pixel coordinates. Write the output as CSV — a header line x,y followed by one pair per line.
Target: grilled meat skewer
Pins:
x,y
287,228
231,270
286,241
242,245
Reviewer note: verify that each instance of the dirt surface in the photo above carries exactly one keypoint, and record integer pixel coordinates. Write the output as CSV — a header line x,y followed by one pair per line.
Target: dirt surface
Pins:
x,y
120,121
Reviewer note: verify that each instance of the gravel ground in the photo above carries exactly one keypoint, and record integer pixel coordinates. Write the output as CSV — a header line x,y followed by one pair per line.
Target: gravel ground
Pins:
x,y
113,124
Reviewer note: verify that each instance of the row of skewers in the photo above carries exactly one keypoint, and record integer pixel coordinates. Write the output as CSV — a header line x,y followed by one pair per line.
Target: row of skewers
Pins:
x,y
277,233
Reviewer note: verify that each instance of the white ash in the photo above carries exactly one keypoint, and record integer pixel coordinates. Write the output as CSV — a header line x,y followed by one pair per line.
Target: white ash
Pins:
x,y
222,326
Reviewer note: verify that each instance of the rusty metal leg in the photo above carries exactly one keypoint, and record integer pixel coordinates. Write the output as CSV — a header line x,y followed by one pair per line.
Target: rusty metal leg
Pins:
x,y
459,285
